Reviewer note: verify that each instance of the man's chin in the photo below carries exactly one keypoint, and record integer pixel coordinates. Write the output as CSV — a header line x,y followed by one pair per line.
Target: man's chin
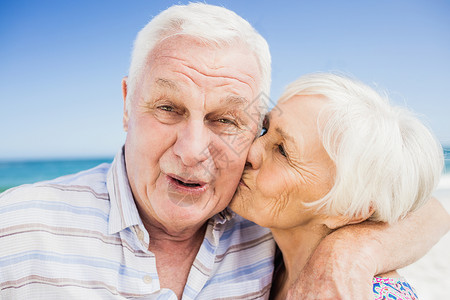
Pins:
x,y
187,208
185,200
179,218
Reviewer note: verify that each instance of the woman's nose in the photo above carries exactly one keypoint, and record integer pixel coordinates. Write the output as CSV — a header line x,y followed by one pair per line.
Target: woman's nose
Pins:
x,y
254,157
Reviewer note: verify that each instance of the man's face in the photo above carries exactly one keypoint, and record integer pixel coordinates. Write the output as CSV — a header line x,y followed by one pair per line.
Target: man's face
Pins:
x,y
189,127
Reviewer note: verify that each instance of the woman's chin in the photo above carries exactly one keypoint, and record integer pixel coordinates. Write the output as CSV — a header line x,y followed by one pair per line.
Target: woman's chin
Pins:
x,y
241,203
237,206
234,204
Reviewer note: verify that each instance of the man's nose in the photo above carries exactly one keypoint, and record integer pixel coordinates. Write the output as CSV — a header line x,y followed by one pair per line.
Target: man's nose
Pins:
x,y
192,143
255,155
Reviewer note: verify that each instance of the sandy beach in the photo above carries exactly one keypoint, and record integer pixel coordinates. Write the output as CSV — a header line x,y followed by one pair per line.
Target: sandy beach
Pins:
x,y
431,274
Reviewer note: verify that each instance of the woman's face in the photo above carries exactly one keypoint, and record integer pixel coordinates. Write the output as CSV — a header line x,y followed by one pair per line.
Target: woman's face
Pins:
x,y
286,166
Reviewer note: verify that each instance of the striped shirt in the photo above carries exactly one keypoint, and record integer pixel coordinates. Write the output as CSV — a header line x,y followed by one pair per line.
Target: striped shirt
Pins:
x,y
81,236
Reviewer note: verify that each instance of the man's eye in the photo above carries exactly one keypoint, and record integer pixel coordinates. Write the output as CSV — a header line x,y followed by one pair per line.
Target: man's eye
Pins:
x,y
281,150
166,108
263,131
225,121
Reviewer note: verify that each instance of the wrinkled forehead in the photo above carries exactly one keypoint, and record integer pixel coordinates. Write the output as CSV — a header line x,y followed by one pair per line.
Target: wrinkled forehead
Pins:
x,y
183,60
206,56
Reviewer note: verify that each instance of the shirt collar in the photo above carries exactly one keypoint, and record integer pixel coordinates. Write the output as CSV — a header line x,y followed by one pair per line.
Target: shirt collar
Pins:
x,y
224,216
123,213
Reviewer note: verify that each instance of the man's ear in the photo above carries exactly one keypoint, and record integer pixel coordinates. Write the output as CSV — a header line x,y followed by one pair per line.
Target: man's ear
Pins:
x,y
335,222
125,109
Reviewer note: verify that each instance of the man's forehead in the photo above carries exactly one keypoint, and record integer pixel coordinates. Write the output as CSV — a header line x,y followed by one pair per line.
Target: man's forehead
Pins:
x,y
187,49
184,53
225,99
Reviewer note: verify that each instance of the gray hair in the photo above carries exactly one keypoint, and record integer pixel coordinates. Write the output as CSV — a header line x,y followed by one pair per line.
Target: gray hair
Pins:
x,y
214,25
385,158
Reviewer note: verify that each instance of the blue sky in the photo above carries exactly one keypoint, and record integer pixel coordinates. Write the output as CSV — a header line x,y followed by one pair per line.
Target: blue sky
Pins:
x,y
61,62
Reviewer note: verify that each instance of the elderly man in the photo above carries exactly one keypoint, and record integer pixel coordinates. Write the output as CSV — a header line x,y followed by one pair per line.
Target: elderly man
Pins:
x,y
155,223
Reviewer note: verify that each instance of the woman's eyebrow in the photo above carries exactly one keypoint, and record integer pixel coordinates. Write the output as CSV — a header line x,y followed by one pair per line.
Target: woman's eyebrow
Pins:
x,y
284,135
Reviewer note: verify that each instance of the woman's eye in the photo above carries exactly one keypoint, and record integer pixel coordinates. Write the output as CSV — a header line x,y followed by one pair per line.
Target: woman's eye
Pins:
x,y
281,150
263,131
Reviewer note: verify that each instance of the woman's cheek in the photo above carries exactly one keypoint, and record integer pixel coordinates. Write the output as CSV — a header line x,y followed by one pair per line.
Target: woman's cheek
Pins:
x,y
273,183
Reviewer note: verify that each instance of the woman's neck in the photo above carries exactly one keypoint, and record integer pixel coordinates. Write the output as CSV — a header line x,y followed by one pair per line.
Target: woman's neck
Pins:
x,y
297,244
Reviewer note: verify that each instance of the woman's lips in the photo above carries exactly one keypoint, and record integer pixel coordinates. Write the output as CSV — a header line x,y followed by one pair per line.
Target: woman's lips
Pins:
x,y
241,182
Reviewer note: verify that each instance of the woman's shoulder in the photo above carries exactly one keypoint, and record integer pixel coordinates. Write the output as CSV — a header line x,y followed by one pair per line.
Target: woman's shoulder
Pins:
x,y
393,288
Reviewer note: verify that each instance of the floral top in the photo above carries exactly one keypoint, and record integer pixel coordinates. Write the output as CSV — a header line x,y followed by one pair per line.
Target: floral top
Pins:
x,y
392,289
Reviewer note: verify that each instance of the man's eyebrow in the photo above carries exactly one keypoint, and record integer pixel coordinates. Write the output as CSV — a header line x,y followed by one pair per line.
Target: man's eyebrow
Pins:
x,y
234,100
167,83
284,135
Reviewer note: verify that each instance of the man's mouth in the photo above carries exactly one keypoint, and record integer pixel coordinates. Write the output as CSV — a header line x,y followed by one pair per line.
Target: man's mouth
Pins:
x,y
185,185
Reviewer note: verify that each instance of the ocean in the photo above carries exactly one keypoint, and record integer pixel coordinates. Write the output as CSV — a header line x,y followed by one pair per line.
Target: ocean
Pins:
x,y
18,172
14,173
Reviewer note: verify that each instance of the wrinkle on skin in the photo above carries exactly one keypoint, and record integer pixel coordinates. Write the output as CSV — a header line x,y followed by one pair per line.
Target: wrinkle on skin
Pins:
x,y
189,77
217,76
308,175
205,68
279,205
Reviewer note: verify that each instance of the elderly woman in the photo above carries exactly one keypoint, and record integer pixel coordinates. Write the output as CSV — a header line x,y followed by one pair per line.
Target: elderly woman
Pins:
x,y
338,154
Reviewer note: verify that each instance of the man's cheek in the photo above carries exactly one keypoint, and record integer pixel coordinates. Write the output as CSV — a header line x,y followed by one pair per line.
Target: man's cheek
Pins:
x,y
236,146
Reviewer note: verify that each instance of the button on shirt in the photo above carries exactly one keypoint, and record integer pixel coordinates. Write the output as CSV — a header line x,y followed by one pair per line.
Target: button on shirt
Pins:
x,y
81,236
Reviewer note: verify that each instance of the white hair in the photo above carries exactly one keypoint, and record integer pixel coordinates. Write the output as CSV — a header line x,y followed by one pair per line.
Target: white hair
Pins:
x,y
385,158
217,26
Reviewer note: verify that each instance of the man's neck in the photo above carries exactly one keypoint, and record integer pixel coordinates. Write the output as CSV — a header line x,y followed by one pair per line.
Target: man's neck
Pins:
x,y
184,240
175,255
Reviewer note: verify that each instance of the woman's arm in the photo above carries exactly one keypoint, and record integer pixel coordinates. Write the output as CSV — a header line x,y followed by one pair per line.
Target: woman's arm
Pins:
x,y
344,263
